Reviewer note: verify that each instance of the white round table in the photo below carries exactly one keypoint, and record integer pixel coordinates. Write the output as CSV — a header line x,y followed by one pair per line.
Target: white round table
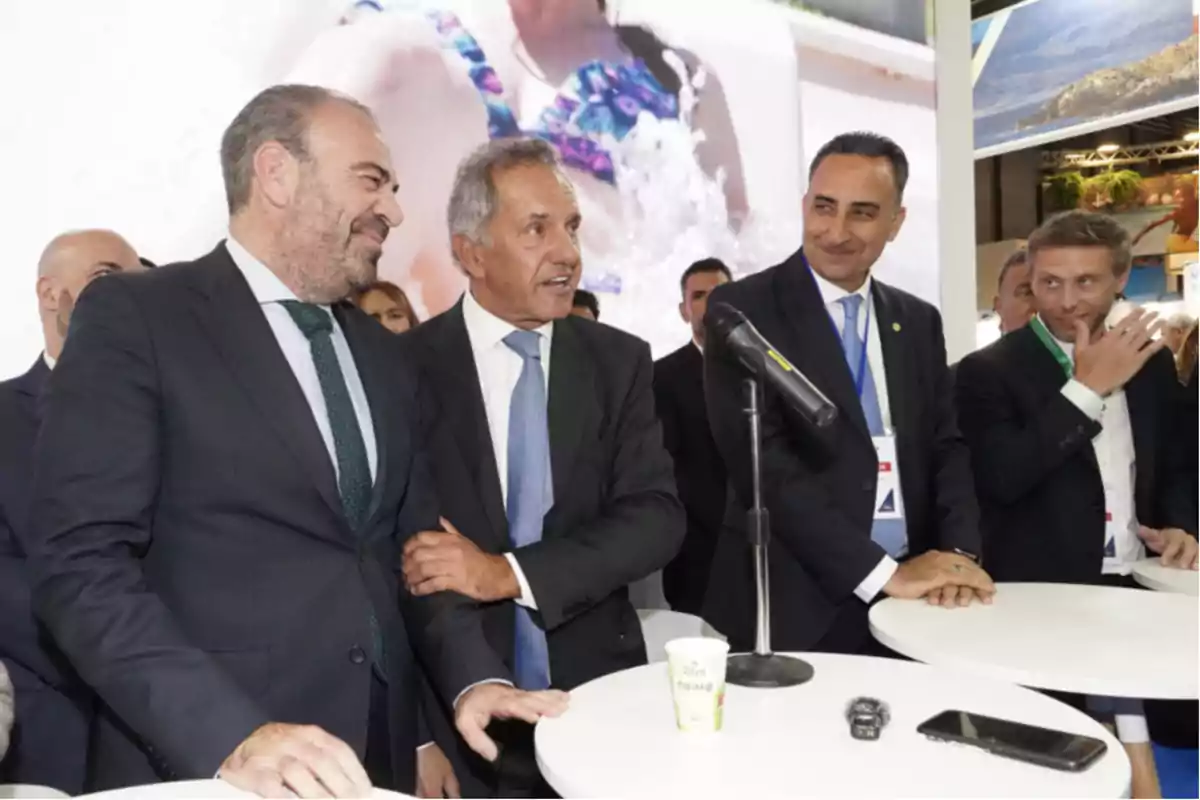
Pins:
x,y
195,790
618,739
1153,575
1094,640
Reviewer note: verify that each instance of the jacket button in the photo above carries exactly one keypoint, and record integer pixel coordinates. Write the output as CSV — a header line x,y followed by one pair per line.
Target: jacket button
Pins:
x,y
357,656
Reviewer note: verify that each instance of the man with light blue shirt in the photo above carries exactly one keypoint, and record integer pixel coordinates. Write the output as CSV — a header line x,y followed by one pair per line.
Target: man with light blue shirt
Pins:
x,y
881,502
228,468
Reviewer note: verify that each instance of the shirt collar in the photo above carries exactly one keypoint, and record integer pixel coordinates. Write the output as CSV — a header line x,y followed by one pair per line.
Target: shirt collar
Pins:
x,y
49,359
832,293
486,330
264,284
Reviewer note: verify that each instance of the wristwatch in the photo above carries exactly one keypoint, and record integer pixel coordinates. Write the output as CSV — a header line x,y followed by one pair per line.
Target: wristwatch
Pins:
x,y
971,556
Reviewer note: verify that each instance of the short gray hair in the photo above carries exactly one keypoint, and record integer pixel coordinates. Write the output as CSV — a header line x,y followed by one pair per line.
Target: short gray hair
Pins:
x,y
473,199
1084,229
276,114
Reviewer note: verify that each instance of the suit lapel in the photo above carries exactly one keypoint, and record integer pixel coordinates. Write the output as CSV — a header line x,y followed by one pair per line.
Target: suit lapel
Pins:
x,y
896,355
235,322
462,400
573,401
30,386
359,338
1140,402
817,350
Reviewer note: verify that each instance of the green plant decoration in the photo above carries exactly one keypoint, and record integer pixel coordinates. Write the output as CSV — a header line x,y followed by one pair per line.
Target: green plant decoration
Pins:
x,y
1114,189
1065,190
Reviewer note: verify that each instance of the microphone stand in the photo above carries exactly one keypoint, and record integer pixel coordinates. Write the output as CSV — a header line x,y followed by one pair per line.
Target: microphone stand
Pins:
x,y
762,668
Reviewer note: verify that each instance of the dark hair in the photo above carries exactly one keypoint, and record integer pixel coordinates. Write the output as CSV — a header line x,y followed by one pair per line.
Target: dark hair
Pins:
x,y
645,46
1016,258
1079,228
702,266
276,114
867,145
585,299
393,293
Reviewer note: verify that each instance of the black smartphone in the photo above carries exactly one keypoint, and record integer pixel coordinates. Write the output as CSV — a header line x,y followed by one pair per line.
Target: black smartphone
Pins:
x,y
1048,748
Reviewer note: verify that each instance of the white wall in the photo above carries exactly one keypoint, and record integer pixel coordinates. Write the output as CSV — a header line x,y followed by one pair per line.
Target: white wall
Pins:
x,y
112,115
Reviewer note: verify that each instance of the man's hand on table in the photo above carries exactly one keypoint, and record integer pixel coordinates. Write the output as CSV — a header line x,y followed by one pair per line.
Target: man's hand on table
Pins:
x,y
1178,548
435,774
943,579
280,760
480,704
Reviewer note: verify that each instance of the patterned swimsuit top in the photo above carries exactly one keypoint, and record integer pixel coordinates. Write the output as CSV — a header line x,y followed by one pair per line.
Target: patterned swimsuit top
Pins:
x,y
598,100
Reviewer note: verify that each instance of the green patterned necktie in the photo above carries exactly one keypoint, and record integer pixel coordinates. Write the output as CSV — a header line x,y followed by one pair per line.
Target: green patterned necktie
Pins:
x,y
354,471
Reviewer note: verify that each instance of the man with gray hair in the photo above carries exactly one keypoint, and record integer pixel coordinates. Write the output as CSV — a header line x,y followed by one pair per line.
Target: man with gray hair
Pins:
x,y
228,468
1014,295
546,448
55,708
1176,330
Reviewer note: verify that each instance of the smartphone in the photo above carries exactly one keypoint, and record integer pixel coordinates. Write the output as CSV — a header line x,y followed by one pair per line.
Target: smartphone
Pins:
x,y
1048,748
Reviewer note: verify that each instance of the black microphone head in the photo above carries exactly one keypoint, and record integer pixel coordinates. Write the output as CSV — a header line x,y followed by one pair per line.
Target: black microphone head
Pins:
x,y
721,319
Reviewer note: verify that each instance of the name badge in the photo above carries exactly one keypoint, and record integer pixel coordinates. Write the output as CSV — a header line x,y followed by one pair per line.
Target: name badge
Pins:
x,y
889,504
1110,536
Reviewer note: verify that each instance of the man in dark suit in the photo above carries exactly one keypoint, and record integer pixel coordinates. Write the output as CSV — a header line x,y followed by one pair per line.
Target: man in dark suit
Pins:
x,y
845,528
1074,429
699,472
545,448
54,708
227,468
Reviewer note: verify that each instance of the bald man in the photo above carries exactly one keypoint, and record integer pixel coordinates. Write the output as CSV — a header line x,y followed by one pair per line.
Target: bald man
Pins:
x,y
53,710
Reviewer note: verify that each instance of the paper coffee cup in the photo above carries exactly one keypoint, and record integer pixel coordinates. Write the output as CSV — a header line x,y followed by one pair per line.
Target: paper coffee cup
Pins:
x,y
697,670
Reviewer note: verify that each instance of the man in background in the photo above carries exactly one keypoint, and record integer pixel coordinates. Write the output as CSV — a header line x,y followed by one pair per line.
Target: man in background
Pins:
x,y
544,445
54,708
228,467
1014,296
699,472
586,305
1075,436
881,501
1175,332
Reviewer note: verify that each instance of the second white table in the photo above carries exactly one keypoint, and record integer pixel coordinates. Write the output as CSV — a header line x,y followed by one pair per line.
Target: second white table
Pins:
x,y
1095,640
1153,575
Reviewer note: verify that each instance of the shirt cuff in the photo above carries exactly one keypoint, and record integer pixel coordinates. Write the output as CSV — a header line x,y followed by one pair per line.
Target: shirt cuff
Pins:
x,y
1084,399
526,599
1132,729
479,683
430,743
873,584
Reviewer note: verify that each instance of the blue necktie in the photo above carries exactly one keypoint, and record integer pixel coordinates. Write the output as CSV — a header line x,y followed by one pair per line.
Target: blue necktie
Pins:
x,y
890,534
530,493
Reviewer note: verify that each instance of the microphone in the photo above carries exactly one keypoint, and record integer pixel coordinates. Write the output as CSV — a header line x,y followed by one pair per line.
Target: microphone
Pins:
x,y
729,325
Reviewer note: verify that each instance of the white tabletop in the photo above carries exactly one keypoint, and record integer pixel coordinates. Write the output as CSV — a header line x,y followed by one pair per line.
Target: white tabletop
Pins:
x,y
1095,640
1153,575
195,790
618,739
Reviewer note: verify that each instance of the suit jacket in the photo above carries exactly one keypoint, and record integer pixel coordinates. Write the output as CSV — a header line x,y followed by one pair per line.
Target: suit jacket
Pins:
x,y
54,708
1037,476
190,551
615,517
819,486
699,473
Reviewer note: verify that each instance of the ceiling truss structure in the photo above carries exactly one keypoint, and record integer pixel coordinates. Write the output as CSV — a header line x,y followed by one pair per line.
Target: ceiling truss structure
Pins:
x,y
1062,160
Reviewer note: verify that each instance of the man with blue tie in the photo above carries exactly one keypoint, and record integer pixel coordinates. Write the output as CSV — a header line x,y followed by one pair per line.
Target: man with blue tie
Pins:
x,y
545,446
881,503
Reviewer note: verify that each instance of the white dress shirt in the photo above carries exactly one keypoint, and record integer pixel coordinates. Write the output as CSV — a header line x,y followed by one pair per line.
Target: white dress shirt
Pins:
x,y
1118,466
270,292
499,368
1117,461
868,326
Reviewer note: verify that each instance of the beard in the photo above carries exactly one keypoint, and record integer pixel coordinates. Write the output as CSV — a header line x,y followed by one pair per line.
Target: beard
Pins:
x,y
328,258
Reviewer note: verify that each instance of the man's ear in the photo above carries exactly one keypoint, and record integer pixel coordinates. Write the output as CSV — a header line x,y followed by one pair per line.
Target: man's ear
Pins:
x,y
276,173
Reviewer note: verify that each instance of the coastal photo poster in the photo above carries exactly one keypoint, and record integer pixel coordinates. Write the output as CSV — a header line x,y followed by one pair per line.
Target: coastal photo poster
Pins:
x,y
1048,70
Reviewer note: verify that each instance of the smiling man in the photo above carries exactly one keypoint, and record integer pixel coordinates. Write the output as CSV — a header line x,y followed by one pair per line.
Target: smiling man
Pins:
x,y
545,445
881,502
